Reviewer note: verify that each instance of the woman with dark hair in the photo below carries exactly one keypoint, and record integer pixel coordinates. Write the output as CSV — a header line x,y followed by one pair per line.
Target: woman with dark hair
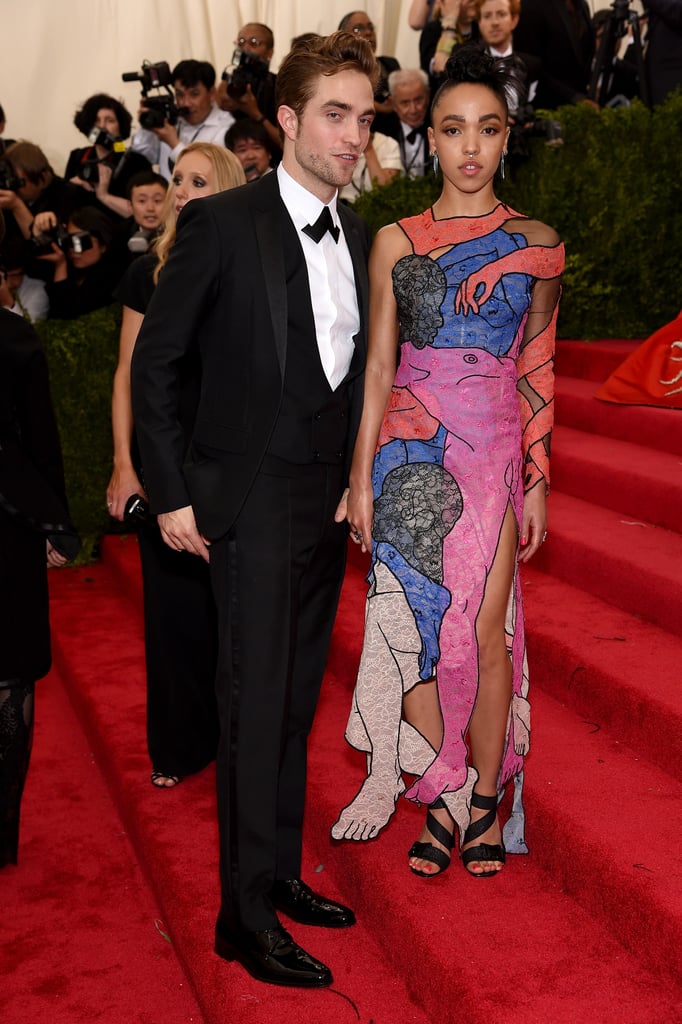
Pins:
x,y
179,615
85,268
448,489
105,166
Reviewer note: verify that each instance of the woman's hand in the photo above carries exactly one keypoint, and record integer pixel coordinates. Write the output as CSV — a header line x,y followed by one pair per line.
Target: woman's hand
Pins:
x,y
54,558
357,508
123,484
104,180
534,524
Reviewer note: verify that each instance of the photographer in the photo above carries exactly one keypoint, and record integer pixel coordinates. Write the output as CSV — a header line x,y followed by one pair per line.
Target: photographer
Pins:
x,y
105,167
497,20
247,87
85,272
29,188
199,118
26,296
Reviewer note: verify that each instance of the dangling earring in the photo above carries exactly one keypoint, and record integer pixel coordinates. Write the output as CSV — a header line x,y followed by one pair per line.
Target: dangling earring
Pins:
x,y
434,161
504,153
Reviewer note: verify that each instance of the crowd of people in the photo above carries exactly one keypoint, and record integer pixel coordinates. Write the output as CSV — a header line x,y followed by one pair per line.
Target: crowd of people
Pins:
x,y
258,421
56,264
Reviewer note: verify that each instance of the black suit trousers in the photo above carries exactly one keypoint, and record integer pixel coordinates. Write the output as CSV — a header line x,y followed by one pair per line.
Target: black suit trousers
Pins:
x,y
277,576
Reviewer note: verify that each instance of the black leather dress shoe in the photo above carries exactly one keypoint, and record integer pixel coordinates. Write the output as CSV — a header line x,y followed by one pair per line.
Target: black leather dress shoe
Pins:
x,y
298,901
272,956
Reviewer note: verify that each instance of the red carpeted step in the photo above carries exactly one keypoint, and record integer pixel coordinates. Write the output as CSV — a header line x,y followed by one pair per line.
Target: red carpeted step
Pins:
x,y
83,937
174,831
625,562
609,823
659,429
591,360
516,947
628,478
612,668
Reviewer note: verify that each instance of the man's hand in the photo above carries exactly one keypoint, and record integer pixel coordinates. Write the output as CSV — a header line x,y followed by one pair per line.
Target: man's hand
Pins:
x,y
8,199
179,531
44,222
168,134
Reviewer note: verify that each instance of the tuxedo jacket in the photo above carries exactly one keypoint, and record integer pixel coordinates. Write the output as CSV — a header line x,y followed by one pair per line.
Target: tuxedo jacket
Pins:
x,y
547,30
223,291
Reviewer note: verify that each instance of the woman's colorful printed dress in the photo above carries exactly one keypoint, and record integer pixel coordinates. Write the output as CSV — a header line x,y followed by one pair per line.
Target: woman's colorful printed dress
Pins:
x,y
466,431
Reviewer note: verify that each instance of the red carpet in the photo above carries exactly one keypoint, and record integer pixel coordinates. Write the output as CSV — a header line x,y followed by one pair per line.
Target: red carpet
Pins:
x,y
586,930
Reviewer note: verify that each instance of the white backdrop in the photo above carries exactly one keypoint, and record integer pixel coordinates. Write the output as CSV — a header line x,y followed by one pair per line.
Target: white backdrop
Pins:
x,y
56,53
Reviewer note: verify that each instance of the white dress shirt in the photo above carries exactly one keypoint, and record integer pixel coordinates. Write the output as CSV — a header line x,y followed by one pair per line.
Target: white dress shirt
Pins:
x,y
331,277
414,153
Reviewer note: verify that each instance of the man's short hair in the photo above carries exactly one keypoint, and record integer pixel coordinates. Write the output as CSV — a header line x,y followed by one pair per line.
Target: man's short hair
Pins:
x,y
145,178
194,72
85,117
299,71
407,76
514,7
245,129
31,159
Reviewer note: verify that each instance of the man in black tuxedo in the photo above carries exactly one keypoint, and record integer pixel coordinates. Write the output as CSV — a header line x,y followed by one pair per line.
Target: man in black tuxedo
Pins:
x,y
560,34
409,124
269,283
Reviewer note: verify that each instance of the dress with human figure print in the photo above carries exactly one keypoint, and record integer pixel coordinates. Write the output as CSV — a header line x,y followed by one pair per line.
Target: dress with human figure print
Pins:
x,y
465,433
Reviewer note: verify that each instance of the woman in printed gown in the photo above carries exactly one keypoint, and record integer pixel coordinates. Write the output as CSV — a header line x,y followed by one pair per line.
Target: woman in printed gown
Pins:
x,y
448,490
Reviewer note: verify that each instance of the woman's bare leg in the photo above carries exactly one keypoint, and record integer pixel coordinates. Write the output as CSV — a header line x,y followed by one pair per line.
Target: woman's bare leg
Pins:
x,y
489,719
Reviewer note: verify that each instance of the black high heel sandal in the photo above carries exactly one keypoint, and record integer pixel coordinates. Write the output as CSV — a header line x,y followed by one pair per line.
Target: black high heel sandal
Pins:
x,y
484,851
427,851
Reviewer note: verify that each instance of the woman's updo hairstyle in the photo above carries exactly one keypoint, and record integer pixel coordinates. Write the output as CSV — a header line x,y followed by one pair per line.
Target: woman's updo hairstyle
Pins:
x,y
471,63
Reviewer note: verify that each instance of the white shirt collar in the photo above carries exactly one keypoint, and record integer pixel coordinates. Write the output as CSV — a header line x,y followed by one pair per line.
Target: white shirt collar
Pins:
x,y
499,53
303,207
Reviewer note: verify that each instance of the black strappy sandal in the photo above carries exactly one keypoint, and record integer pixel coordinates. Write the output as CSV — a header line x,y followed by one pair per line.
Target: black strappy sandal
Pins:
x,y
484,851
427,851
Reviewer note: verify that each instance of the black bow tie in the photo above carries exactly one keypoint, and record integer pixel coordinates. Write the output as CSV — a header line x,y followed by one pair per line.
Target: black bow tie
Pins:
x,y
412,136
323,224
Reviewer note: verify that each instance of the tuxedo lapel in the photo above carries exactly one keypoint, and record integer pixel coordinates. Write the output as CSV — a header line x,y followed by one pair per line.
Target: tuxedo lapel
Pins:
x,y
268,213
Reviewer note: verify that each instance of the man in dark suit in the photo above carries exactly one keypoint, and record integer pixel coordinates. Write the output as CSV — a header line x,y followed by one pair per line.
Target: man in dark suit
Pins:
x,y
269,283
409,124
560,33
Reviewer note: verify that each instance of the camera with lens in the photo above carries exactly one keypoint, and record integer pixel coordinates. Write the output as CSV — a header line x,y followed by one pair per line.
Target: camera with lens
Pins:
x,y
9,180
245,70
526,126
103,138
79,241
141,240
158,108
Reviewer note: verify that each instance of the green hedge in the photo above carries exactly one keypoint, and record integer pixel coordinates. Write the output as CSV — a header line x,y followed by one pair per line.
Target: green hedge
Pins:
x,y
82,356
614,193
